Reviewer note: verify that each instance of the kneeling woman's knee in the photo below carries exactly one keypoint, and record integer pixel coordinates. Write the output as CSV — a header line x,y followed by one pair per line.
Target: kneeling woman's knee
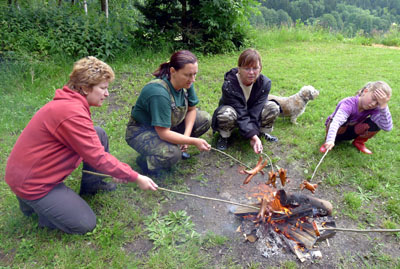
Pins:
x,y
173,155
86,224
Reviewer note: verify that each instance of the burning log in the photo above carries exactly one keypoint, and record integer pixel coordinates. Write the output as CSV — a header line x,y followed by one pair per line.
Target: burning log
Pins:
x,y
296,199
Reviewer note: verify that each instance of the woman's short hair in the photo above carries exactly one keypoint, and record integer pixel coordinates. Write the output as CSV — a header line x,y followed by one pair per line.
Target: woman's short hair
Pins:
x,y
89,71
375,85
249,57
178,61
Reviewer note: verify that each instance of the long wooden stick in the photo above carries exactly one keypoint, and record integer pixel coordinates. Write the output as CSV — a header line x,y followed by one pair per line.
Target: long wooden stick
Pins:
x,y
361,231
270,161
183,193
230,156
315,170
209,198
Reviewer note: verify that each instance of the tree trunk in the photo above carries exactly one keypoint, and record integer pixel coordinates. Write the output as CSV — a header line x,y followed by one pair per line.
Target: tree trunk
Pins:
x,y
106,2
184,21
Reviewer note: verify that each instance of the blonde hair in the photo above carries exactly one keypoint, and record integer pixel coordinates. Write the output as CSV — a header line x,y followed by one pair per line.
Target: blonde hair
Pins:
x,y
87,72
373,86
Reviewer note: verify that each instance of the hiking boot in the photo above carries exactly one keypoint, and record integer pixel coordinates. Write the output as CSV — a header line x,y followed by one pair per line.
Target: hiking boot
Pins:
x,y
142,163
222,143
270,138
96,187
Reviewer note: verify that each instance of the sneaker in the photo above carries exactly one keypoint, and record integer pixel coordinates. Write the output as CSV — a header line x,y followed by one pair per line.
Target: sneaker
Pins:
x,y
96,187
185,155
222,143
270,138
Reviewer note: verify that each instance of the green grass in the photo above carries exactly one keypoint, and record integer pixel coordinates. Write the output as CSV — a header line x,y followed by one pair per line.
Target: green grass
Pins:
x,y
366,188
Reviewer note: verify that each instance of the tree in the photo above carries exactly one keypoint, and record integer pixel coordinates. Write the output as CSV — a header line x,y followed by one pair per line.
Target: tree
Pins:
x,y
270,16
284,18
328,21
209,26
306,10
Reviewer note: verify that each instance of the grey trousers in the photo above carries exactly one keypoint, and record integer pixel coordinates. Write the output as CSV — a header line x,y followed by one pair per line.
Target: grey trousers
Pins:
x,y
64,209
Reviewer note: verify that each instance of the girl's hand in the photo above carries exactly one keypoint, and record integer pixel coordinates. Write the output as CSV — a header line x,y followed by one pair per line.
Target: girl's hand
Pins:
x,y
256,144
381,97
327,147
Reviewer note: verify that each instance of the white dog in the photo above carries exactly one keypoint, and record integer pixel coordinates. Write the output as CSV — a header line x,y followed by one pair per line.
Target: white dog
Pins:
x,y
293,106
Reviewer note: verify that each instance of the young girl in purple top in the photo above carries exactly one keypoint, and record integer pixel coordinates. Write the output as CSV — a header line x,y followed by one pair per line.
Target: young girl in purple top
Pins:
x,y
360,117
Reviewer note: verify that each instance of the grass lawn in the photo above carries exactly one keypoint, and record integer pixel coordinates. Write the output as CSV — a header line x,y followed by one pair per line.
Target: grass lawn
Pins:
x,y
365,189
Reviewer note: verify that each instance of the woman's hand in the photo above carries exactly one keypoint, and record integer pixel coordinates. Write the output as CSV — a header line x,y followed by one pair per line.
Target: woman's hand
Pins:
x,y
327,147
256,144
202,145
382,98
146,183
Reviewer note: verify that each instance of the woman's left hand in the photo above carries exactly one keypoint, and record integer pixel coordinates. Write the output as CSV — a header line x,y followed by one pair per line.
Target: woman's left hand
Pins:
x,y
382,98
256,143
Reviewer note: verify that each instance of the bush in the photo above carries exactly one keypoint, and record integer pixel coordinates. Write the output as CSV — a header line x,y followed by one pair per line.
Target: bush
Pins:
x,y
43,31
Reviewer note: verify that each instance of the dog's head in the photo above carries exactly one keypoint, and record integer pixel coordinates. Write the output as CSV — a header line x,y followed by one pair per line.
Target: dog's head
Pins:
x,y
308,93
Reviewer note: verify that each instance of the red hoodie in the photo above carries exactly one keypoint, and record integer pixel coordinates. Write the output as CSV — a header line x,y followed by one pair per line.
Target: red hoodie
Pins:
x,y
58,137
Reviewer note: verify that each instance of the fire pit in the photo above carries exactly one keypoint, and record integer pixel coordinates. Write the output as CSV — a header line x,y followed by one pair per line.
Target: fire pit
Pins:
x,y
291,220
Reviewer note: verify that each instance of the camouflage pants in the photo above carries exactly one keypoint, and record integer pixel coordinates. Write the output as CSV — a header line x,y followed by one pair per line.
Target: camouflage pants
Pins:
x,y
159,153
227,119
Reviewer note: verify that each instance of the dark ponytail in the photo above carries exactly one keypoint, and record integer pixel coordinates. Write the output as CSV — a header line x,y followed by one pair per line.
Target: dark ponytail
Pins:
x,y
178,61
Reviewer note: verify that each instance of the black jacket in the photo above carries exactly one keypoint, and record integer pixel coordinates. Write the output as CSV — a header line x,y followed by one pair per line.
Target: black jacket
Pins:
x,y
249,113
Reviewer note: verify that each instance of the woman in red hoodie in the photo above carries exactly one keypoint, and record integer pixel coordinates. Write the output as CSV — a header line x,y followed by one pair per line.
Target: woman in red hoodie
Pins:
x,y
57,139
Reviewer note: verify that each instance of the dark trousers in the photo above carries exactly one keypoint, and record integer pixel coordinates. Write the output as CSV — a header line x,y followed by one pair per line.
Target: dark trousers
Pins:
x,y
64,209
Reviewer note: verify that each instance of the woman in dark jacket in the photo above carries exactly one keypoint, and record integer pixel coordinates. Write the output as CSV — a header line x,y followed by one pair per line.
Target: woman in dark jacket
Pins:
x,y
244,103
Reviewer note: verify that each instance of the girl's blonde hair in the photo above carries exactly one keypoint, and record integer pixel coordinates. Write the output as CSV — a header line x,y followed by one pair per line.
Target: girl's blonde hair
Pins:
x,y
87,72
373,86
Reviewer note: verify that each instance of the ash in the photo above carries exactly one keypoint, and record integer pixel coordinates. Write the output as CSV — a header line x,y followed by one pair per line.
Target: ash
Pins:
x,y
268,243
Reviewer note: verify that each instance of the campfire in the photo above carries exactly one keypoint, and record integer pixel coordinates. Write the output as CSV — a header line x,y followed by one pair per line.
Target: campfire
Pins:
x,y
281,219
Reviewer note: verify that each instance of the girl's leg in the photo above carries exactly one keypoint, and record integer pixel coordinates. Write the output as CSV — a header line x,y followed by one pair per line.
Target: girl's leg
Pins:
x,y
63,209
360,132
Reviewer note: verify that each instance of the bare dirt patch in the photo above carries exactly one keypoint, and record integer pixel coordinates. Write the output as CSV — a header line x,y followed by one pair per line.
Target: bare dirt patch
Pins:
x,y
386,47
